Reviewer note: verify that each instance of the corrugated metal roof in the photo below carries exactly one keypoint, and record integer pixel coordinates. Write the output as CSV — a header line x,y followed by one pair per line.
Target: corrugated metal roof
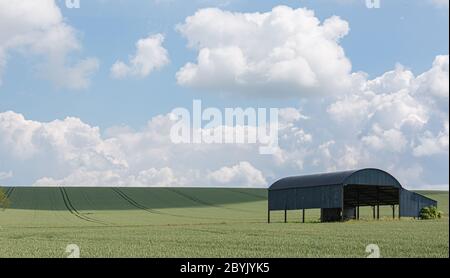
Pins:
x,y
368,176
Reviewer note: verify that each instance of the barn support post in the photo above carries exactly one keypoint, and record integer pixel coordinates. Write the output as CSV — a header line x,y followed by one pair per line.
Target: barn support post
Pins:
x,y
393,211
373,211
378,203
418,210
285,215
357,204
342,200
303,216
268,215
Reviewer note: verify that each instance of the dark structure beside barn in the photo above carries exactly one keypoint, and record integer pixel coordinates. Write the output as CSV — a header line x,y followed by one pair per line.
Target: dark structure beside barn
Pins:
x,y
339,195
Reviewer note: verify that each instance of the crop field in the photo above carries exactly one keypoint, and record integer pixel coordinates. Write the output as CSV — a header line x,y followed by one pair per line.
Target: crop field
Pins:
x,y
199,222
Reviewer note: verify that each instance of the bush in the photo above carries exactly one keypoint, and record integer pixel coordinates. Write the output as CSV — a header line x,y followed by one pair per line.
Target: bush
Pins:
x,y
430,212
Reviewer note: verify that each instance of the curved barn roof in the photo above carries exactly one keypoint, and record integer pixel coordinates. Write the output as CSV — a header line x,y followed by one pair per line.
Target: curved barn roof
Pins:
x,y
368,176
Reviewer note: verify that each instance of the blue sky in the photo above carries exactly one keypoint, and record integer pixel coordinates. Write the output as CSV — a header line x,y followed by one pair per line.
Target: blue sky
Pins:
x,y
410,33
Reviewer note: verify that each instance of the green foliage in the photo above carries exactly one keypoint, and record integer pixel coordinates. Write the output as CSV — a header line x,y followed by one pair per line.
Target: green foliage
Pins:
x,y
4,201
430,212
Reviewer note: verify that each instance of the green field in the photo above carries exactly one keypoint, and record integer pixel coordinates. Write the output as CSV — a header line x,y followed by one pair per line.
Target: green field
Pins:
x,y
171,222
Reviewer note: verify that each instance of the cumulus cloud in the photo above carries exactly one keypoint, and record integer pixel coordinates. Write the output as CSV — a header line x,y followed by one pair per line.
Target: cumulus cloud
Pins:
x,y
282,52
390,140
387,122
241,173
115,177
386,113
6,175
38,28
393,118
71,152
432,145
150,55
435,81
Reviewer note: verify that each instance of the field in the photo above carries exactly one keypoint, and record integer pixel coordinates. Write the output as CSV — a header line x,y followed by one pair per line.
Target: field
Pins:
x,y
201,222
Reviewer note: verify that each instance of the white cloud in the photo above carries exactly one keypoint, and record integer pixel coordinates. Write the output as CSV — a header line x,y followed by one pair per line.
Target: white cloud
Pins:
x,y
410,175
115,177
281,52
435,82
290,114
38,28
150,55
391,122
6,175
157,177
71,152
63,146
431,145
81,177
440,3
17,134
391,140
242,173
387,112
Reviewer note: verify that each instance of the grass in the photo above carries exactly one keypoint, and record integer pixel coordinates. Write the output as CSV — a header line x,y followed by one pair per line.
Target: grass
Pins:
x,y
163,222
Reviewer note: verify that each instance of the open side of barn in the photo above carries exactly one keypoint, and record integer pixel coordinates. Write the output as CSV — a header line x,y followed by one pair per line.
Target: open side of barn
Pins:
x,y
339,195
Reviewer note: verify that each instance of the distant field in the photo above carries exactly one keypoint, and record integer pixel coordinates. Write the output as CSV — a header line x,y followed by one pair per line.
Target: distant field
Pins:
x,y
175,222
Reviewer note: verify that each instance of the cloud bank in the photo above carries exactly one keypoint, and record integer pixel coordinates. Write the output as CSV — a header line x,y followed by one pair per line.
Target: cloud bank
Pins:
x,y
395,121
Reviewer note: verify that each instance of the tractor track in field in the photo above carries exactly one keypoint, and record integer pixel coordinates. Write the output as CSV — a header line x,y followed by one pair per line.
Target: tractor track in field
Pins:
x,y
135,204
9,192
201,202
73,210
132,202
248,194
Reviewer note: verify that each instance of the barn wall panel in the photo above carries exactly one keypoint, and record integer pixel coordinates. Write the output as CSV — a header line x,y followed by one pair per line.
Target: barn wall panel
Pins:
x,y
411,203
329,196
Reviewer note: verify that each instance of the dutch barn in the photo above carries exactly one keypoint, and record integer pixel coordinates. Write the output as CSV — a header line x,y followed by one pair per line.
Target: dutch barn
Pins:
x,y
339,195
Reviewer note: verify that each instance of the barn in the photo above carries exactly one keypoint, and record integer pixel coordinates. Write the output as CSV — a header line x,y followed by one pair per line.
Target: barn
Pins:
x,y
339,195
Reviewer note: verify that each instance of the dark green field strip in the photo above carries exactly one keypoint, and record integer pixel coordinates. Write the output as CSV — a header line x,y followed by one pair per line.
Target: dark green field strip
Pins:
x,y
251,193
222,201
165,197
137,205
193,199
202,202
74,211
103,198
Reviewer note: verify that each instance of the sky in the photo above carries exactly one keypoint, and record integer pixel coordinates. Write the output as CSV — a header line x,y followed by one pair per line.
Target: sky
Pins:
x,y
86,93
